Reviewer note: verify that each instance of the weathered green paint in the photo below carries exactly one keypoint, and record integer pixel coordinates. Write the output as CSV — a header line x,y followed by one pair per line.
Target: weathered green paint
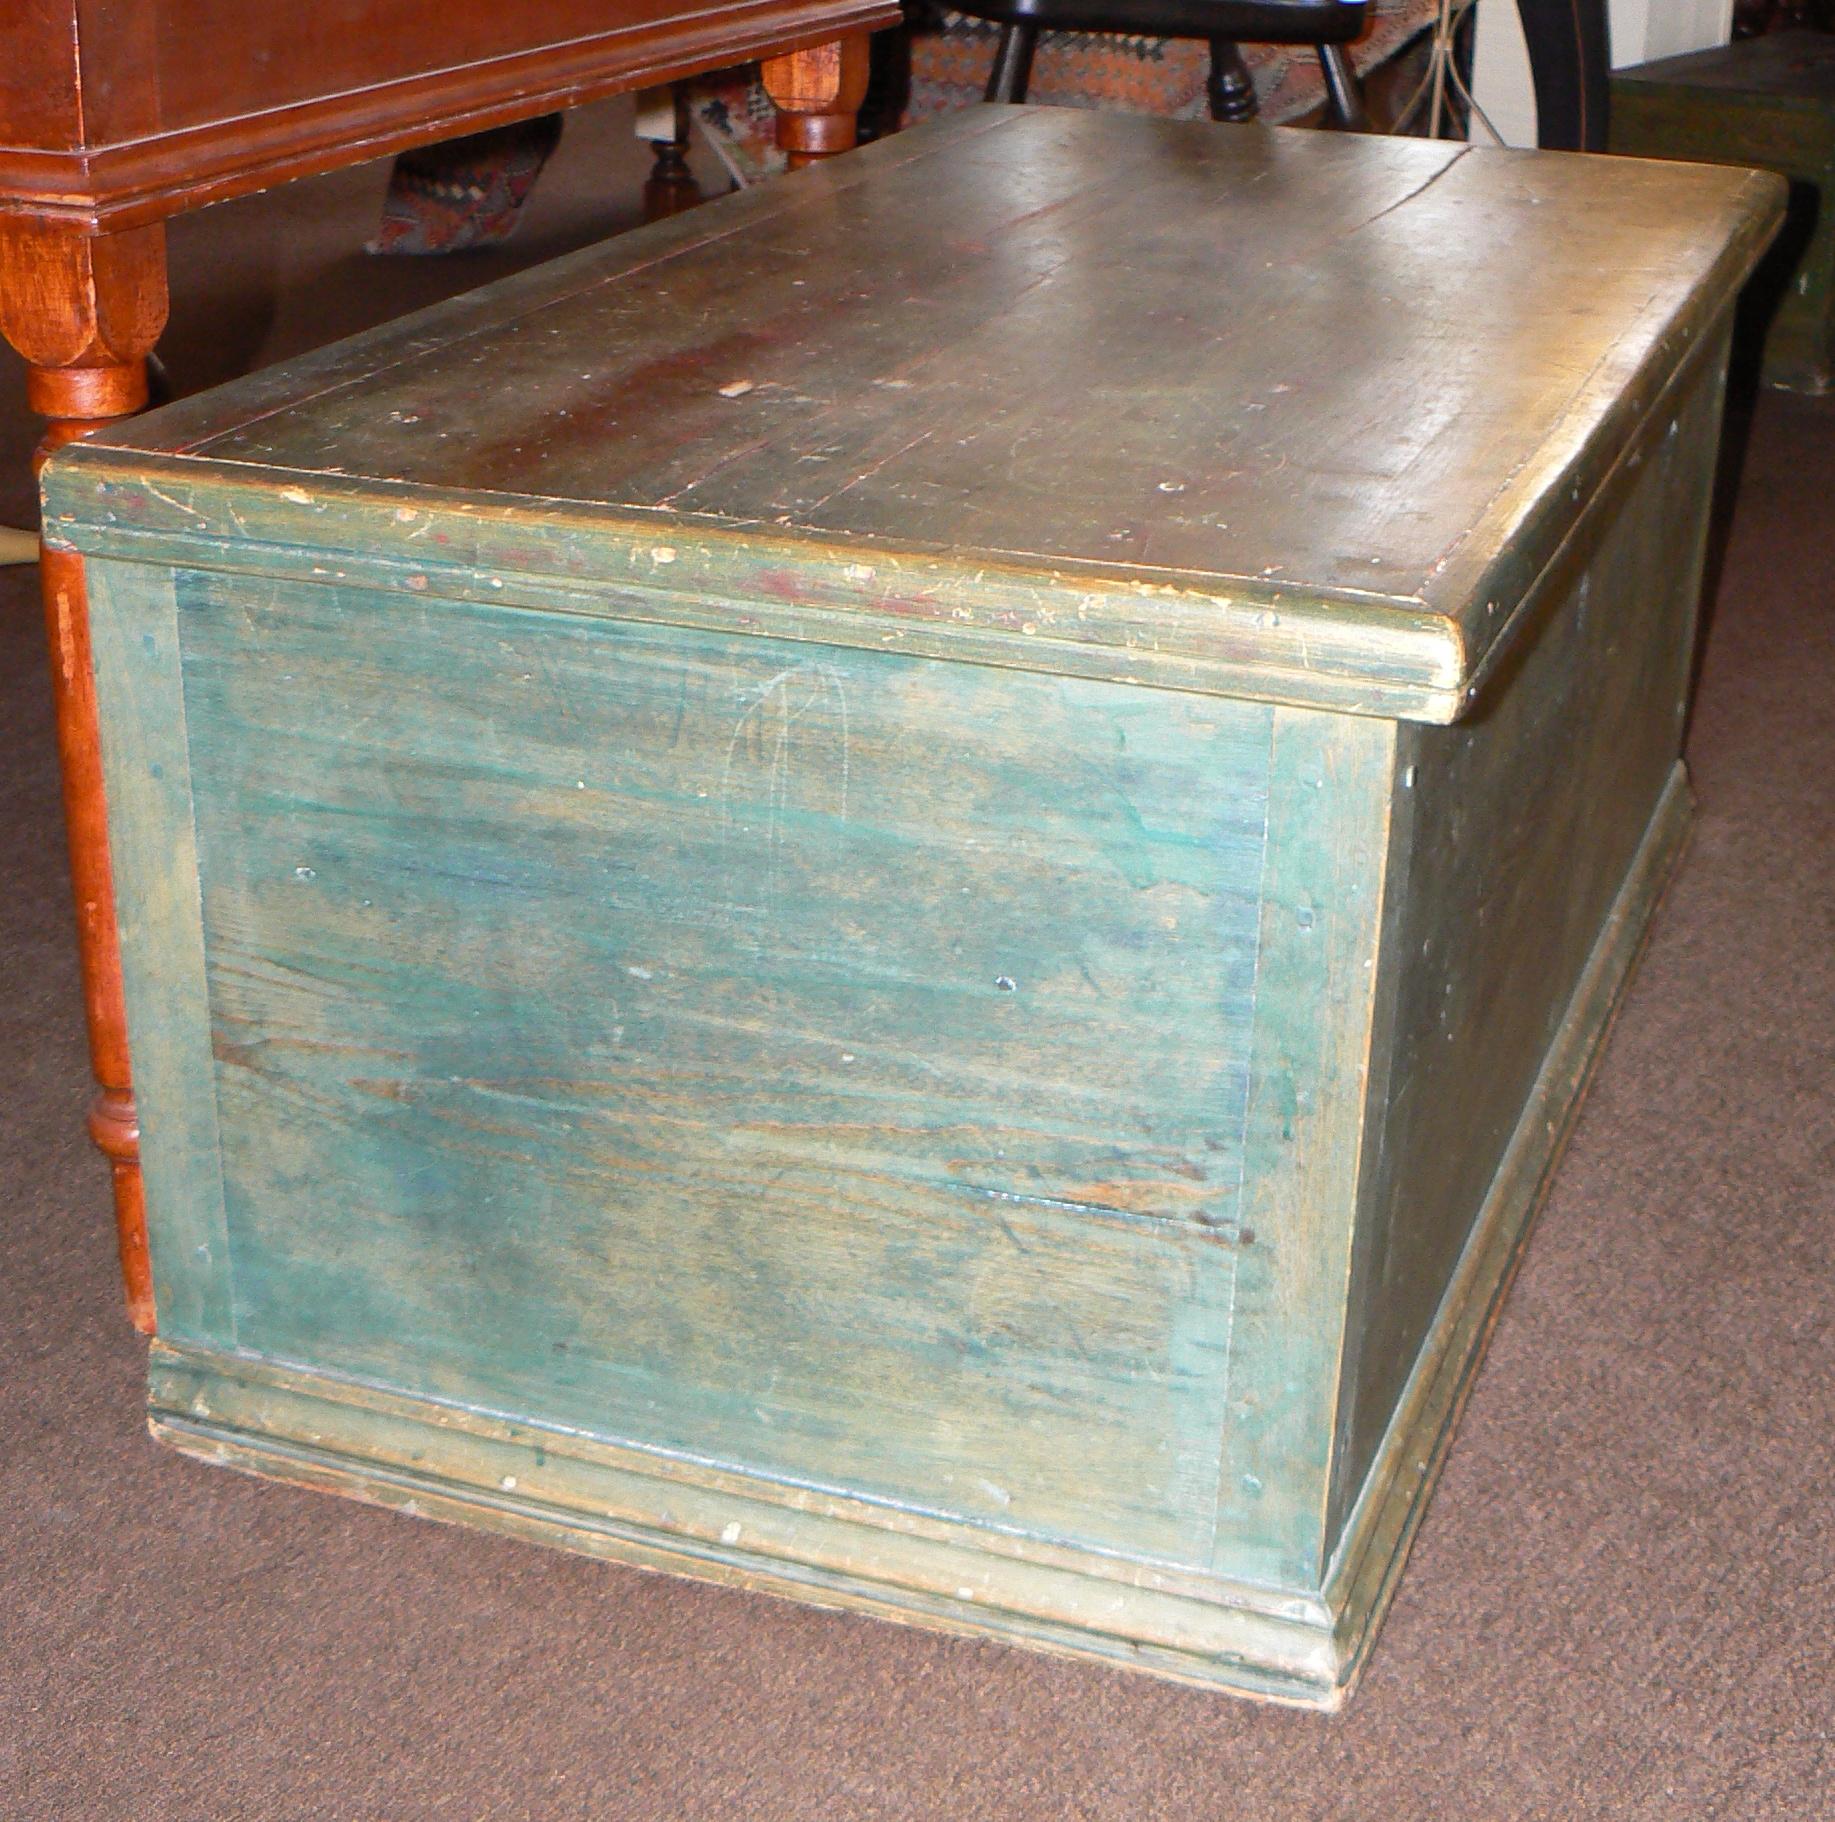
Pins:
x,y
887,983
1768,102
1322,897
598,1008
1374,1537
554,1486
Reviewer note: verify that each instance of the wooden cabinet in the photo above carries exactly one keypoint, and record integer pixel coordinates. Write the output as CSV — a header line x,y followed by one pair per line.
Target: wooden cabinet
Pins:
x,y
114,112
1769,102
898,893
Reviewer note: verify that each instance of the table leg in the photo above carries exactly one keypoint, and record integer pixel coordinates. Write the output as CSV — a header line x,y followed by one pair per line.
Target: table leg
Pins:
x,y
817,94
84,310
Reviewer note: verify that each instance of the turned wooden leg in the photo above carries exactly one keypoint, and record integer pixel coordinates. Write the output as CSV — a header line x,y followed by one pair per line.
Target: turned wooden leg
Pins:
x,y
818,94
85,309
1231,89
662,119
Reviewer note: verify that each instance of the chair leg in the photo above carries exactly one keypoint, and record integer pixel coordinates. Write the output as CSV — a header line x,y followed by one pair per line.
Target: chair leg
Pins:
x,y
1231,89
1012,69
662,119
1343,90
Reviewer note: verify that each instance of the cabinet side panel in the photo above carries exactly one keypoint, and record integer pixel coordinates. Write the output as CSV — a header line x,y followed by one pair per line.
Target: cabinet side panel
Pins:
x,y
125,72
39,108
1516,831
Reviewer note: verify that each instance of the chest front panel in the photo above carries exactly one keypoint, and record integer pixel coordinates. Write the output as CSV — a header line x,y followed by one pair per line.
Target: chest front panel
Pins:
x,y
828,1062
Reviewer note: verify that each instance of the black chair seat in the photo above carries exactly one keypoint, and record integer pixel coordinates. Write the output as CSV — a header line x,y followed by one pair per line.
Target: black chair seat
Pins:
x,y
1327,25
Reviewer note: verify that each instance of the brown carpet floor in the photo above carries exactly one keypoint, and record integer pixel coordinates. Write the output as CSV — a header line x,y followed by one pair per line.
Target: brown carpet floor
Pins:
x,y
1622,1601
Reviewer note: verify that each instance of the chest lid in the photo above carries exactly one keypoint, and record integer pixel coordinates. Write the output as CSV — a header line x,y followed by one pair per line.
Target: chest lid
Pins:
x,y
1290,415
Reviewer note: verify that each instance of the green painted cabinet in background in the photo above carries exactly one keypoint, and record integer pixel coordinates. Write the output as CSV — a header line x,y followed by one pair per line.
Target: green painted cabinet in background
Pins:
x,y
1768,102
896,891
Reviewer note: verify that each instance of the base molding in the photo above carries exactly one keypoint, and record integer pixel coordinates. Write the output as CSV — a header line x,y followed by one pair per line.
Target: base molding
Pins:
x,y
688,1517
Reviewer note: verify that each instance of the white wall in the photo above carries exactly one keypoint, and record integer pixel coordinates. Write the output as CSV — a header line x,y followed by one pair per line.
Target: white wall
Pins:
x,y
1641,30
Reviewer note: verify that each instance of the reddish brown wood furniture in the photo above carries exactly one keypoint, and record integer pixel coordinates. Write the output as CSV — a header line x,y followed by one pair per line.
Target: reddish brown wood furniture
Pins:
x,y
115,114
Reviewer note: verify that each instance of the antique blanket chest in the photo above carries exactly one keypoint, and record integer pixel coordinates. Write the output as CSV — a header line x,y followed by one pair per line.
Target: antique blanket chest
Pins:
x,y
896,892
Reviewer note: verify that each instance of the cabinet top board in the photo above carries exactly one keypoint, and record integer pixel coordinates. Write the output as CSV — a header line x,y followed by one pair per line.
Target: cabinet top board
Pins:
x,y
1289,414
1791,67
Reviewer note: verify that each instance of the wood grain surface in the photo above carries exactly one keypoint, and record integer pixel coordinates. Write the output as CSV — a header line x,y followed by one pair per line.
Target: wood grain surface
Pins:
x,y
616,1005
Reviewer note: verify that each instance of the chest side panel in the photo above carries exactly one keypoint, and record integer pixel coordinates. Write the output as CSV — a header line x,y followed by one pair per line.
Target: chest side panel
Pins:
x,y
1520,829
827,1062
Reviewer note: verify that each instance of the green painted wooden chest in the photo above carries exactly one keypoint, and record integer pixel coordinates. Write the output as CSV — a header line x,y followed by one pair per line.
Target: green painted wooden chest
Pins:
x,y
895,892
1769,102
